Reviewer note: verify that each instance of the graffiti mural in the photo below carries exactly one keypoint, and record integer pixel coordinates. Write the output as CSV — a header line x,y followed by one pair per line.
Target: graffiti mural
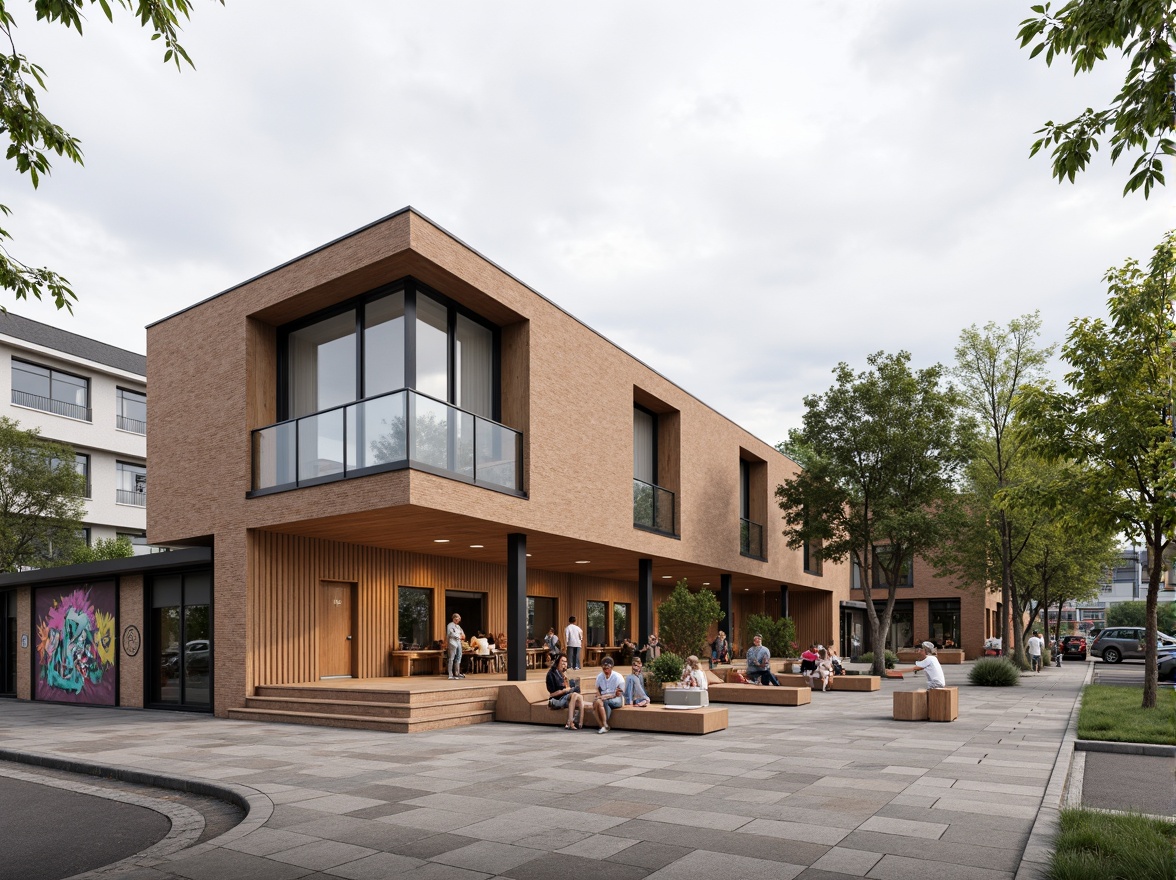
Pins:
x,y
76,644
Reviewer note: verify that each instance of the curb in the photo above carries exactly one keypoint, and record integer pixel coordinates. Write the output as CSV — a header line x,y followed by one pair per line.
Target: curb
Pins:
x,y
1121,748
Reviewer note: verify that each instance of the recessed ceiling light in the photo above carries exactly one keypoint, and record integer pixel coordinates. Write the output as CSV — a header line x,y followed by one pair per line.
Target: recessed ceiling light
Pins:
x,y
666,577
477,546
440,540
706,583
528,554
583,561
747,589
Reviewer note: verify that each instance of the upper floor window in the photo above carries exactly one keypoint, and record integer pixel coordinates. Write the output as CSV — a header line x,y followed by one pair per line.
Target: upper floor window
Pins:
x,y
132,484
81,464
653,505
880,579
50,390
131,413
403,338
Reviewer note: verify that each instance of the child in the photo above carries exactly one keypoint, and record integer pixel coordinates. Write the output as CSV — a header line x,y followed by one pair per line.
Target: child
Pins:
x,y
824,668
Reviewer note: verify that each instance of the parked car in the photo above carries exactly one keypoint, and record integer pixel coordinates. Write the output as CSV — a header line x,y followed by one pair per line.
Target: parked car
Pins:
x,y
1166,661
1073,646
1117,643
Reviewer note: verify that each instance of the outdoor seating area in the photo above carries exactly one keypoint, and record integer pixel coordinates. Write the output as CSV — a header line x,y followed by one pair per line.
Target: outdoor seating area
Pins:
x,y
836,682
937,704
760,696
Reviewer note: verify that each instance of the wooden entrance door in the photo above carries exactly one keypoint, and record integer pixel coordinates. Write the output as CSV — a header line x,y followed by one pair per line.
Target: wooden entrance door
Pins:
x,y
335,630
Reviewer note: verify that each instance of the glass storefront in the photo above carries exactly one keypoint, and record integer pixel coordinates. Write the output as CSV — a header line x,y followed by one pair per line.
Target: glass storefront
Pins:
x,y
944,618
180,625
8,643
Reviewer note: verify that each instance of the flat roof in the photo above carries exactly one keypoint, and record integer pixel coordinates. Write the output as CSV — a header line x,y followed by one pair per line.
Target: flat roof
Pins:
x,y
84,347
108,568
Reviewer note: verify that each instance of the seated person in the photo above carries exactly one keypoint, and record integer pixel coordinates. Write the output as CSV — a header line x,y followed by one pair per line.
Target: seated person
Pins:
x,y
759,663
835,662
500,642
808,663
561,693
824,668
626,652
484,643
635,694
610,693
692,674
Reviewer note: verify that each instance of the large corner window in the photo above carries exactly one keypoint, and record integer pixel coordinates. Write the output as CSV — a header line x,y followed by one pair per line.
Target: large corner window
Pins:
x,y
398,378
131,411
653,505
50,390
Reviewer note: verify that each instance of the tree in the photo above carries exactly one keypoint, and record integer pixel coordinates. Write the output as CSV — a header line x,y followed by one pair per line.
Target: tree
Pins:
x,y
991,366
1135,614
883,449
1116,417
33,137
685,618
1140,118
779,636
40,499
104,548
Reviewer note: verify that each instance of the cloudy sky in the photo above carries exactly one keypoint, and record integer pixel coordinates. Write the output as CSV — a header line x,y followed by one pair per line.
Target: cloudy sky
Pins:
x,y
739,194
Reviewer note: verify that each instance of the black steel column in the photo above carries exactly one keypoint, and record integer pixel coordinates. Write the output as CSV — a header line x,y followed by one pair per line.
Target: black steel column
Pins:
x,y
783,600
516,607
644,601
727,623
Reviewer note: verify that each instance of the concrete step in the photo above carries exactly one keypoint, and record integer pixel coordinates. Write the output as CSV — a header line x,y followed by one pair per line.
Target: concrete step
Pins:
x,y
399,711
363,722
370,695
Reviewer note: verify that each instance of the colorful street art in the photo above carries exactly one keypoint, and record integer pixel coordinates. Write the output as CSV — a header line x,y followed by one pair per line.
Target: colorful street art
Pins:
x,y
76,645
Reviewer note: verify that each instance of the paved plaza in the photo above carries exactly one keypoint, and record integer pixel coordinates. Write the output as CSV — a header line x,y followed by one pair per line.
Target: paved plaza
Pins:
x,y
827,791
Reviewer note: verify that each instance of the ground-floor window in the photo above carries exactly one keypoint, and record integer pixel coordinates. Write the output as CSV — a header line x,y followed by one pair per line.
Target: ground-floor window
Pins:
x,y
853,631
414,619
540,618
8,642
180,625
945,622
621,618
472,608
902,624
597,623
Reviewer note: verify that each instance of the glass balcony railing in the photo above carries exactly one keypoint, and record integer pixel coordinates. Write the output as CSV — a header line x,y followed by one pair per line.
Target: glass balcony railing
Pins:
x,y
400,429
653,507
751,538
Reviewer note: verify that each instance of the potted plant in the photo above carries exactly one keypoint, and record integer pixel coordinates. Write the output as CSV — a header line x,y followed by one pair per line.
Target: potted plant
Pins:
x,y
666,669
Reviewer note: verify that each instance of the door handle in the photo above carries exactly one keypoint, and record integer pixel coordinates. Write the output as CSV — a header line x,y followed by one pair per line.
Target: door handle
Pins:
x,y
349,638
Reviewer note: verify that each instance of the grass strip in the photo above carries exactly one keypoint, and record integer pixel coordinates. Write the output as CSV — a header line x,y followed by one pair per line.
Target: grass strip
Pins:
x,y
1091,845
1113,713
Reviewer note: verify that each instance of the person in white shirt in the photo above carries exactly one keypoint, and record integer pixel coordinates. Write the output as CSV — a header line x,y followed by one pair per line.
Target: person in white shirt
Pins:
x,y
574,641
929,663
610,693
1035,645
454,636
692,674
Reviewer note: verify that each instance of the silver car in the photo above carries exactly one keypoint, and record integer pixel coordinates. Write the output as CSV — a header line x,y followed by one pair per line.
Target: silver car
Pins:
x,y
1125,643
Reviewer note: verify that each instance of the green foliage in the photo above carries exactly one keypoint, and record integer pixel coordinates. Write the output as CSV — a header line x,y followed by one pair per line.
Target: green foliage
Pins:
x,y
994,672
685,619
40,499
1115,421
1139,118
1135,614
667,667
779,635
1096,845
883,449
33,137
103,548
1113,713
889,658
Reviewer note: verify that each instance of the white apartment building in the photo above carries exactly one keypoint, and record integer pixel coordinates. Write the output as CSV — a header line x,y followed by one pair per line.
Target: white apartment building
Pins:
x,y
93,397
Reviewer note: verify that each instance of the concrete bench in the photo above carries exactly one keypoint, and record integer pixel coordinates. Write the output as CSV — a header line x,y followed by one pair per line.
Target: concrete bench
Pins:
x,y
525,702
761,696
836,682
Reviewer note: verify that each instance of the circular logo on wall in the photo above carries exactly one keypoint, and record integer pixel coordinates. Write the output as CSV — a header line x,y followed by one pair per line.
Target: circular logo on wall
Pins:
x,y
131,640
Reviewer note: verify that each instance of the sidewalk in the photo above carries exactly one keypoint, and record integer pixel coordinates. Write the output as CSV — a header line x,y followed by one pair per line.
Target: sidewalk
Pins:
x,y
821,792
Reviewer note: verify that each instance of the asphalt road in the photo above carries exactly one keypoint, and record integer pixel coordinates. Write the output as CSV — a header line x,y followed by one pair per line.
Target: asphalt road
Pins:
x,y
48,833
1130,782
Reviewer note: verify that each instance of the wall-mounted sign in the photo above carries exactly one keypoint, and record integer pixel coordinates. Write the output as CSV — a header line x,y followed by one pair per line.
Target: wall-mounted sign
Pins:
x,y
24,640
131,640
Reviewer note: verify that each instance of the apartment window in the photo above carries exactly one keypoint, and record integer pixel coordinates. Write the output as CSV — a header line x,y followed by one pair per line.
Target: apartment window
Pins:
x,y
751,533
653,505
905,579
81,464
131,484
139,545
50,390
131,414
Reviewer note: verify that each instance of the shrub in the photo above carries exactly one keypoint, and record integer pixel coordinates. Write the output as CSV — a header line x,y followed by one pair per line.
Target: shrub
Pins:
x,y
779,635
994,672
685,618
890,659
667,667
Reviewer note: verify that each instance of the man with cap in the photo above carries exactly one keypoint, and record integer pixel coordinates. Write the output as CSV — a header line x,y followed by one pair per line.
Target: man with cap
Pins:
x,y
610,693
929,663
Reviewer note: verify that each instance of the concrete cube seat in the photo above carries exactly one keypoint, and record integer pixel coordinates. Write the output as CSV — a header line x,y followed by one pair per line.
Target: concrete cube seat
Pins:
x,y
910,705
761,696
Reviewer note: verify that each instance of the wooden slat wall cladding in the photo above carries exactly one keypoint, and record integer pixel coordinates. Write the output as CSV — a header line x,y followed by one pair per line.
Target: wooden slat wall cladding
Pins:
x,y
812,612
286,573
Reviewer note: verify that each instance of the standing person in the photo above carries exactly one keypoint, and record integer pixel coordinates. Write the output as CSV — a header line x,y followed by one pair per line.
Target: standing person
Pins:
x,y
720,650
929,663
1035,644
610,693
454,636
759,665
551,643
635,694
574,639
561,694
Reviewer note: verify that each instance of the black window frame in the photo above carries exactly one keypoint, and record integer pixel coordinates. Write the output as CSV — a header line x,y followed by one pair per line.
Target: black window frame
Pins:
x,y
119,464
88,407
411,287
151,636
120,418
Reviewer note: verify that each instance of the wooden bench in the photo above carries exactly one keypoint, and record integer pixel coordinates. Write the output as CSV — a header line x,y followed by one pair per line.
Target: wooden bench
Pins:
x,y
943,704
403,661
525,702
760,695
836,682
946,656
910,705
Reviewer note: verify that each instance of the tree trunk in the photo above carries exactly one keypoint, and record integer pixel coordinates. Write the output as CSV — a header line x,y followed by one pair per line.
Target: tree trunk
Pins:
x,y
1018,654
1006,582
1155,573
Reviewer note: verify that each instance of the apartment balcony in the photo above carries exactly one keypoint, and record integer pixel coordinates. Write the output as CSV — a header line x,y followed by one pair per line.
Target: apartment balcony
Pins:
x,y
135,426
131,496
402,429
751,539
51,405
653,507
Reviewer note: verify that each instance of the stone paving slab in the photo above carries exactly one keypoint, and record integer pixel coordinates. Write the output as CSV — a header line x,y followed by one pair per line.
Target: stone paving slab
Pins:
x,y
842,792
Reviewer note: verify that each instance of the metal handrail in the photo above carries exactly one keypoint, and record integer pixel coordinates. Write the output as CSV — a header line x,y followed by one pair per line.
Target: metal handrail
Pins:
x,y
126,423
655,493
131,496
751,538
48,404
